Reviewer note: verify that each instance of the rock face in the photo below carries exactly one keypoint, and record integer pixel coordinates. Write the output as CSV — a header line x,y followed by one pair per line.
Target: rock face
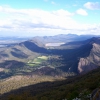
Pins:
x,y
95,94
85,65
93,60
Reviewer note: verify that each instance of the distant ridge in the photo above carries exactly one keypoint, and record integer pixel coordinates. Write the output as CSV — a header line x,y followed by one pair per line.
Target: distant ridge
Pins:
x,y
62,38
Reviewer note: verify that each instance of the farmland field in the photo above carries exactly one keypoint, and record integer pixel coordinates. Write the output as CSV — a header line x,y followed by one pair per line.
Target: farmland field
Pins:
x,y
37,61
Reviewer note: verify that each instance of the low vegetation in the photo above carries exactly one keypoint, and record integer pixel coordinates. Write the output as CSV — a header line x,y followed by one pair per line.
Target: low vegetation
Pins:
x,y
77,87
15,82
37,60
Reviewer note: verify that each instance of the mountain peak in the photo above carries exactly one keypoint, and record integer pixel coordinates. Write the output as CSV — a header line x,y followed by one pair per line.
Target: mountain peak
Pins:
x,y
95,40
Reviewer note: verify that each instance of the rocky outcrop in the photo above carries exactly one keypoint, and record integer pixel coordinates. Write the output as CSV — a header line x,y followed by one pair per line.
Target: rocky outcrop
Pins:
x,y
92,61
95,94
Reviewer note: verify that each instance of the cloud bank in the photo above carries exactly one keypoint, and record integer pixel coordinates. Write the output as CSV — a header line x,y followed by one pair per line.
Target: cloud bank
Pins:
x,y
39,21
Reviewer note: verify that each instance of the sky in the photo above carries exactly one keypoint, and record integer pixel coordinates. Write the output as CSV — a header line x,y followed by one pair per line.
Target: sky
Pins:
x,y
49,17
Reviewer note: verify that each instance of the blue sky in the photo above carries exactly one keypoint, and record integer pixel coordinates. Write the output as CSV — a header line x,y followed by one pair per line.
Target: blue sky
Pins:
x,y
49,17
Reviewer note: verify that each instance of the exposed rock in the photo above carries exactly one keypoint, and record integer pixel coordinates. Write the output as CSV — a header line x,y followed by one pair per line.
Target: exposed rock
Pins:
x,y
95,94
92,61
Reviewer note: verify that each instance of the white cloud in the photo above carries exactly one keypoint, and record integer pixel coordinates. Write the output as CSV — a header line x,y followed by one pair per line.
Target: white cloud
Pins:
x,y
38,18
62,12
92,5
42,22
81,12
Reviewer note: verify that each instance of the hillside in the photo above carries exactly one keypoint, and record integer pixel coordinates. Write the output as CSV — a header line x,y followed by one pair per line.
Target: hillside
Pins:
x,y
32,62
80,86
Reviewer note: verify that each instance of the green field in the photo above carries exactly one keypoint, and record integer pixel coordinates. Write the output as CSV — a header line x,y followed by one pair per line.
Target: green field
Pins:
x,y
37,61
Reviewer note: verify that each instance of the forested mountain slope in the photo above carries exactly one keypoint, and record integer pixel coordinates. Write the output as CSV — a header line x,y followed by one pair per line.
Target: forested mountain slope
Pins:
x,y
79,86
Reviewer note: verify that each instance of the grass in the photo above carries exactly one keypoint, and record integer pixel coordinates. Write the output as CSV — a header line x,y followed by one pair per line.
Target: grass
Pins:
x,y
37,61
40,59
31,64
43,57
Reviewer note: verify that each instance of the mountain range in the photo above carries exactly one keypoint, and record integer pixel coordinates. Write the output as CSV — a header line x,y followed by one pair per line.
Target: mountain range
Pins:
x,y
74,56
49,58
